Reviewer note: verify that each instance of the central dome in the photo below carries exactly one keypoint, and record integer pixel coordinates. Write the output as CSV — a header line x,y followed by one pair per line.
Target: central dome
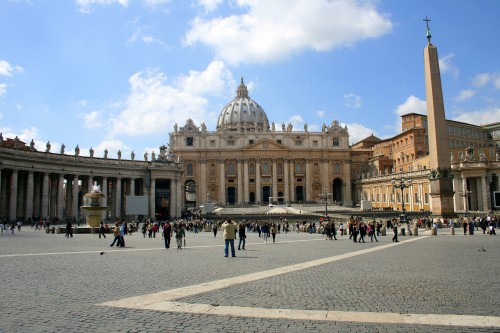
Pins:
x,y
242,113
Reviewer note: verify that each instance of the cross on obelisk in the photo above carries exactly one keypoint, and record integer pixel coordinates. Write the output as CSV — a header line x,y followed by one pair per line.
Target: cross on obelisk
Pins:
x,y
428,29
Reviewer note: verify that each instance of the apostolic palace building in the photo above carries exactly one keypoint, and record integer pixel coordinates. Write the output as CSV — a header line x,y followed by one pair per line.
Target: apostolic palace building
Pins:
x,y
247,160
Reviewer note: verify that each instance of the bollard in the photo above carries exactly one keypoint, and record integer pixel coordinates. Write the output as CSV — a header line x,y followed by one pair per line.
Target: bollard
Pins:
x,y
384,231
415,231
344,232
403,232
452,231
53,230
434,231
47,230
58,230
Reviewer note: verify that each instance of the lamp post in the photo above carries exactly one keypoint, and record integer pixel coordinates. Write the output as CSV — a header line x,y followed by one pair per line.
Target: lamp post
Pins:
x,y
325,195
401,182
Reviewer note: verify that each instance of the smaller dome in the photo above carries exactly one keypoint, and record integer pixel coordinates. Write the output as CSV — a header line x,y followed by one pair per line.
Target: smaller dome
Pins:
x,y
242,113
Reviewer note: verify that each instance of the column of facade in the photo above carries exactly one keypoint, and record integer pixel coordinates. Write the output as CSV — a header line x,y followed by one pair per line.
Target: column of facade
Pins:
x,y
222,184
74,204
3,197
30,189
456,198
203,195
258,191
60,197
132,186
68,201
240,181
286,180
275,179
104,189
308,182
21,195
479,194
485,189
180,198
292,180
45,195
118,197
346,184
37,196
420,196
151,197
13,195
246,191
325,174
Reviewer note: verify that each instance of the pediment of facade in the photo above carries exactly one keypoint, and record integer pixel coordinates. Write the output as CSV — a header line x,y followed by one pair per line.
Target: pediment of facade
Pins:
x,y
264,144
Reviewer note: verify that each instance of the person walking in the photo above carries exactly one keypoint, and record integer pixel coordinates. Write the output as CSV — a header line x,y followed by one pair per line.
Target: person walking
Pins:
x,y
464,225
229,232
395,229
214,229
265,231
273,232
242,235
334,230
116,233
167,234
362,232
371,230
69,229
179,235
102,230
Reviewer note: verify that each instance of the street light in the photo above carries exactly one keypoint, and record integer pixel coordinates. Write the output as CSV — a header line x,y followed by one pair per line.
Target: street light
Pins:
x,y
325,195
401,182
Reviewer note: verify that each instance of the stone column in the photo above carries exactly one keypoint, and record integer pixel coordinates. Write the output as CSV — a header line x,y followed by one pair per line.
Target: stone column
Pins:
x,y
74,204
152,203
346,183
132,186
275,179
292,180
258,194
240,181
457,203
180,197
13,195
3,197
420,196
67,196
325,174
222,184
203,181
286,180
486,193
118,197
246,190
30,189
309,182
60,197
45,195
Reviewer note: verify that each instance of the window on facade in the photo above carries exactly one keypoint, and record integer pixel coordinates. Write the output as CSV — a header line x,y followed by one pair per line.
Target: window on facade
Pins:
x,y
336,168
250,142
212,169
383,198
278,141
398,197
336,142
378,197
231,169
212,143
189,141
416,197
315,143
265,168
280,168
189,170
298,167
316,168
298,142
230,142
251,169
426,198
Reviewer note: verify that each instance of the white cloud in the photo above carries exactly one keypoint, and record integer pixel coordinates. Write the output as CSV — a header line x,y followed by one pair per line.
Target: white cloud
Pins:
x,y
446,65
320,113
358,132
112,145
6,69
482,79
272,30
153,106
297,121
92,120
352,101
3,89
82,102
412,105
210,5
465,94
87,6
154,3
481,117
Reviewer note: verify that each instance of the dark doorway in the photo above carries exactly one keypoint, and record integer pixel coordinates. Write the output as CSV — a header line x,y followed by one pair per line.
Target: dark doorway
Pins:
x,y
266,193
252,197
337,190
299,194
231,195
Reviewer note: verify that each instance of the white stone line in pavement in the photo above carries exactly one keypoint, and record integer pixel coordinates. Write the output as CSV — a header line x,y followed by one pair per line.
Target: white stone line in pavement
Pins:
x,y
136,249
164,301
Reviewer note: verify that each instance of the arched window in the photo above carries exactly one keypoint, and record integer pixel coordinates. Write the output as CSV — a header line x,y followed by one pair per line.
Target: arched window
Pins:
x,y
230,168
280,169
336,168
251,169
212,169
190,171
316,168
298,167
265,168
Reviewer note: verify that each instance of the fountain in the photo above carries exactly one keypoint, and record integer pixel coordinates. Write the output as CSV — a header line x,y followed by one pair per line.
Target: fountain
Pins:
x,y
92,207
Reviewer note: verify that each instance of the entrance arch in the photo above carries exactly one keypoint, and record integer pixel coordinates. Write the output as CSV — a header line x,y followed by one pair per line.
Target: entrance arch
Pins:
x,y
337,190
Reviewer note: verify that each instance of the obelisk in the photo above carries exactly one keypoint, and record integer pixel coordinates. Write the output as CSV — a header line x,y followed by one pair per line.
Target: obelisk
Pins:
x,y
441,179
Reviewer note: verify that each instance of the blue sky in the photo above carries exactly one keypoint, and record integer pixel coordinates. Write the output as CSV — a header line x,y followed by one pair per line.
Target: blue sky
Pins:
x,y
118,74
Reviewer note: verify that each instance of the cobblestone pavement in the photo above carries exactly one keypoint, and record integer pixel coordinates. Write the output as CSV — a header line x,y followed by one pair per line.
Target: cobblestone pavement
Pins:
x,y
49,283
